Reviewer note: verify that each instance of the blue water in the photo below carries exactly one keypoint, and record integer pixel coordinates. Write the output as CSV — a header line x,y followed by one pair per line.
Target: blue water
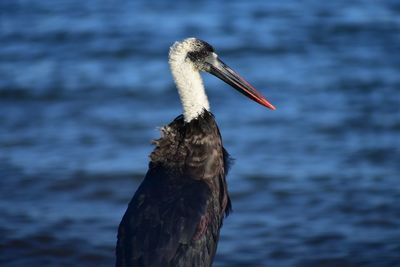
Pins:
x,y
85,84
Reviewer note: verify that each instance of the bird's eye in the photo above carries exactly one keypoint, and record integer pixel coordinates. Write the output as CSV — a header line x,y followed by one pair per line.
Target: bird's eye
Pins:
x,y
196,56
191,56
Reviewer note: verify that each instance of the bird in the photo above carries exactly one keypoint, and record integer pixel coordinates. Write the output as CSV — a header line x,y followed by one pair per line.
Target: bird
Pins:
x,y
175,216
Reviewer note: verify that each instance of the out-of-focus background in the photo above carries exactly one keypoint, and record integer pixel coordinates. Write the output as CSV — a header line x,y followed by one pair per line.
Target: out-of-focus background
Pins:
x,y
84,84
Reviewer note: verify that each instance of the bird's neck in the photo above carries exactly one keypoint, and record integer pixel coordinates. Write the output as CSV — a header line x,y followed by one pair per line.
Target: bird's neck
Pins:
x,y
190,87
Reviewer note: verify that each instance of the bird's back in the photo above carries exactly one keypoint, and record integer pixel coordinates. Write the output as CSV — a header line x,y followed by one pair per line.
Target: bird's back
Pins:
x,y
175,216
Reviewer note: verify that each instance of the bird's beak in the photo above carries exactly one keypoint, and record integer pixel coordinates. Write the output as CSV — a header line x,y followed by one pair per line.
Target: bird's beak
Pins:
x,y
222,71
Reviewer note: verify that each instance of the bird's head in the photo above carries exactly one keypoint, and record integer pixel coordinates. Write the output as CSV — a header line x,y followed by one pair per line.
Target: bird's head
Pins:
x,y
203,57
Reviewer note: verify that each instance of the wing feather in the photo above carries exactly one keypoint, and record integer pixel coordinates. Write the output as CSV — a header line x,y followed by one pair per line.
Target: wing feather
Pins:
x,y
162,215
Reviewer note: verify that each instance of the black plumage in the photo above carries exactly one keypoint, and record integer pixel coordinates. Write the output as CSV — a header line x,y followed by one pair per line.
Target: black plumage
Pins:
x,y
175,216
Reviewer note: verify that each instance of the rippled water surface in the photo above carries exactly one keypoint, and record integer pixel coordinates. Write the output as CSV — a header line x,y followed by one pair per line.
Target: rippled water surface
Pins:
x,y
85,84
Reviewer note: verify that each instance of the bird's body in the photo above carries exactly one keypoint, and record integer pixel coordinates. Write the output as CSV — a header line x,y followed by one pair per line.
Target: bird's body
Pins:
x,y
176,214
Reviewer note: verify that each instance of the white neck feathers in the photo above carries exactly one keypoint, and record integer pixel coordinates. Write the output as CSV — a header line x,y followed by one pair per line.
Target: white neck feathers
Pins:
x,y
188,81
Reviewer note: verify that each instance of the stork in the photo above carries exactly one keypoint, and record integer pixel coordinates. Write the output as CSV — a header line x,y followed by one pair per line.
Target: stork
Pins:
x,y
174,218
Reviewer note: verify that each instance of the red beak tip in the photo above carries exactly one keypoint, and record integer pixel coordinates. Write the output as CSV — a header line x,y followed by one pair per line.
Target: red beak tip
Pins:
x,y
269,105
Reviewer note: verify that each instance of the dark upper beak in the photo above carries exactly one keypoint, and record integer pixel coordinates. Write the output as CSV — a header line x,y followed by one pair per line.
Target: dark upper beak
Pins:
x,y
222,71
